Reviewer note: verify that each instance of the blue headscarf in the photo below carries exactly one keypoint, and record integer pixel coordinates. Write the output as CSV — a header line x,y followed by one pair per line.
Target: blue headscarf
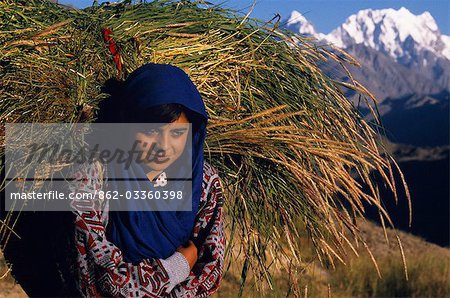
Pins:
x,y
157,234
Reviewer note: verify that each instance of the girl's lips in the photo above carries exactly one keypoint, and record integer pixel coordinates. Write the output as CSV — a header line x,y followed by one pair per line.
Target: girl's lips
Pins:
x,y
162,158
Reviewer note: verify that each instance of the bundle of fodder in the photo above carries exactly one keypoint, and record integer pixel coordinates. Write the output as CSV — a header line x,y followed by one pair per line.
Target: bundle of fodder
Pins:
x,y
288,144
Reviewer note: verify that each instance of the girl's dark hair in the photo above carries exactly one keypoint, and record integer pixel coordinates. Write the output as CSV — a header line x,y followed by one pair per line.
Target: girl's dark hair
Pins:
x,y
115,109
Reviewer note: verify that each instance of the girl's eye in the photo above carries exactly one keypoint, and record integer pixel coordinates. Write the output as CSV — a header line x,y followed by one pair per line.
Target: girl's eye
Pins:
x,y
177,133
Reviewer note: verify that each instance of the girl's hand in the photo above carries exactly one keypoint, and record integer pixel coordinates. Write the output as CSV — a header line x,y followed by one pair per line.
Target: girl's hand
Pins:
x,y
189,252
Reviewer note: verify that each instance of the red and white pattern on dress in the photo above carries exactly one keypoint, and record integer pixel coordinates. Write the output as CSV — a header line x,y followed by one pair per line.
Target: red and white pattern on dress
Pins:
x,y
101,268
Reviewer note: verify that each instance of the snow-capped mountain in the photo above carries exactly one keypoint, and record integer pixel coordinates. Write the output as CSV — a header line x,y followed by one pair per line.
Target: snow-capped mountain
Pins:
x,y
408,38
299,24
397,33
402,53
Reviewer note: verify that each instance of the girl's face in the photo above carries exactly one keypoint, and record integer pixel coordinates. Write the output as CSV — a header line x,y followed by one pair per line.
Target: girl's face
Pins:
x,y
163,145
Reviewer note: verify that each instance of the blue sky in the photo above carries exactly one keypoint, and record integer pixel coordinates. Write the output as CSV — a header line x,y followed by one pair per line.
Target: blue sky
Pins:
x,y
327,14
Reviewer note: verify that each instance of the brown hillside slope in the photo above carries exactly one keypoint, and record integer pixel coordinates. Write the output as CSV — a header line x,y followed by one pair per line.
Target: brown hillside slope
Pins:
x,y
428,271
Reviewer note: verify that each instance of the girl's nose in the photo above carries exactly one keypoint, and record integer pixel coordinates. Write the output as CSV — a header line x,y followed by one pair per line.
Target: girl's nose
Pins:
x,y
163,141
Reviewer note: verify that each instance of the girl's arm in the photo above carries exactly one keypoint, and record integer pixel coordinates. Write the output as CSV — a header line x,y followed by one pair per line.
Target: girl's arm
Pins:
x,y
103,261
102,270
208,235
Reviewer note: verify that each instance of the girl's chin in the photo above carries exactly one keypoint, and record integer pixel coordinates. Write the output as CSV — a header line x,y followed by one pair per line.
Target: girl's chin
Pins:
x,y
157,166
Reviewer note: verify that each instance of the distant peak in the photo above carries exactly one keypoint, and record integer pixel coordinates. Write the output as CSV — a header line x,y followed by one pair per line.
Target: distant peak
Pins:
x,y
299,24
297,17
397,33
427,14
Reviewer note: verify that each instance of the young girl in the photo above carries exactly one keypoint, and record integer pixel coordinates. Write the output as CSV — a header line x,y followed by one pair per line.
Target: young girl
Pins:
x,y
152,253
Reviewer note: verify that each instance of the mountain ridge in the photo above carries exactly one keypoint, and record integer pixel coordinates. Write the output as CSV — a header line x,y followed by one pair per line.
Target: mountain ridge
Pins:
x,y
398,58
396,33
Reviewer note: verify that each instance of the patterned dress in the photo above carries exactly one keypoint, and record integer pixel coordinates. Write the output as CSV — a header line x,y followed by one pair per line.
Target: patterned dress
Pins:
x,y
102,270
